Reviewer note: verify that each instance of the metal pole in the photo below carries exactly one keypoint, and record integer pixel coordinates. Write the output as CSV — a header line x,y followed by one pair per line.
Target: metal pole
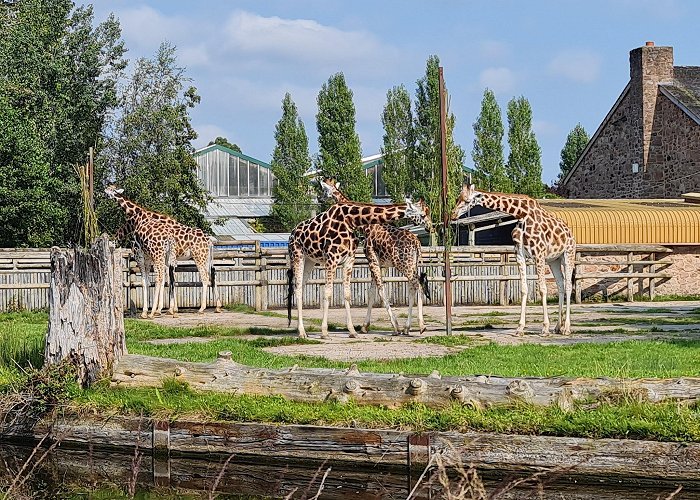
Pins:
x,y
445,208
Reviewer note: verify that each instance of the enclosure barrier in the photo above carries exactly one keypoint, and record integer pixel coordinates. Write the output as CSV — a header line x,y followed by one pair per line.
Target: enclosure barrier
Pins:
x,y
255,276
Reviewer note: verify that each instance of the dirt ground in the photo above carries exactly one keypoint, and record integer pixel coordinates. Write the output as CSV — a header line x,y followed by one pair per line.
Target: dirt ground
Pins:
x,y
609,322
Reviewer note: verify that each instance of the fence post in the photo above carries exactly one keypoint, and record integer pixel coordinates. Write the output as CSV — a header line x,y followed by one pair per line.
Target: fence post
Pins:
x,y
630,270
131,274
578,279
258,278
502,296
263,283
652,279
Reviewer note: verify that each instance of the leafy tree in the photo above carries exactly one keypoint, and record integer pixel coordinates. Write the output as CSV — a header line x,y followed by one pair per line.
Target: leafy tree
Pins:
x,y
290,161
148,151
339,153
398,143
576,142
427,166
524,166
223,141
488,147
58,77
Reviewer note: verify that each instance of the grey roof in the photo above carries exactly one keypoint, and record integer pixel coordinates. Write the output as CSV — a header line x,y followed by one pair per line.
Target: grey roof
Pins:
x,y
239,207
684,90
238,229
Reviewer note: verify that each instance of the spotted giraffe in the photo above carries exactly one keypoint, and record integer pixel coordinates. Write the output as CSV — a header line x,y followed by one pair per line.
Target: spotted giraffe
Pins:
x,y
390,246
161,240
539,234
328,239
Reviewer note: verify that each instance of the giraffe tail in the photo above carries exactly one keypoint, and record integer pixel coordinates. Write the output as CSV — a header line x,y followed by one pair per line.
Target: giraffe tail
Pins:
x,y
423,280
290,294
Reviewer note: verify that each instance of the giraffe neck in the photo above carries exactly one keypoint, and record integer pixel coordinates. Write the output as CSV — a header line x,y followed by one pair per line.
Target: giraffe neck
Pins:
x,y
131,209
356,215
518,206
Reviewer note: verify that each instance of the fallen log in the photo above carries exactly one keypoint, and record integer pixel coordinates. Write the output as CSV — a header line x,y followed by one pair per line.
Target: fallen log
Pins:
x,y
393,390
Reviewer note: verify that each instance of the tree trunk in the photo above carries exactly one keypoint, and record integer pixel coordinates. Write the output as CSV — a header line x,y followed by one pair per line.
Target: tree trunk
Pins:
x,y
86,310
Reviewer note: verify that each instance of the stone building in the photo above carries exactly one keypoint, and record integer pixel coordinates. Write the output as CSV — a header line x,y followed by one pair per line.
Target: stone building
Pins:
x,y
648,145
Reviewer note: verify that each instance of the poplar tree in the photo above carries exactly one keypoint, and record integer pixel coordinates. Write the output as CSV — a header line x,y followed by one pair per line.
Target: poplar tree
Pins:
x,y
427,165
576,142
524,166
339,154
487,155
290,161
397,148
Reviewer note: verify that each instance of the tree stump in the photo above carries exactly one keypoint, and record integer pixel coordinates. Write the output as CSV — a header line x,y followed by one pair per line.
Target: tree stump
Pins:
x,y
86,310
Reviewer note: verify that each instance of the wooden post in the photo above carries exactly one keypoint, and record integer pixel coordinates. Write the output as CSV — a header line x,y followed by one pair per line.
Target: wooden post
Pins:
x,y
263,282
445,209
131,273
630,270
502,296
652,279
258,278
578,280
86,310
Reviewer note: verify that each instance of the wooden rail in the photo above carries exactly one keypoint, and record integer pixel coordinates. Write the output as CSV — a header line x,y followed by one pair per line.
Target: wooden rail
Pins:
x,y
257,276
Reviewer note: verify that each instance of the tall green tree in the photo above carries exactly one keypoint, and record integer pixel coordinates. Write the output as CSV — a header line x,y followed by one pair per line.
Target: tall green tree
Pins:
x,y
290,161
148,151
524,166
58,77
223,141
487,154
576,142
339,154
397,148
427,166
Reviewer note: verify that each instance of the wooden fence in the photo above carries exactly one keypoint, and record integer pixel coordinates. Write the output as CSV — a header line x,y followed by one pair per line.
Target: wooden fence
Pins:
x,y
249,274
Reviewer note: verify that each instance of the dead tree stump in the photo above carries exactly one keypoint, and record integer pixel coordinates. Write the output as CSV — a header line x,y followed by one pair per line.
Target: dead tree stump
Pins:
x,y
86,310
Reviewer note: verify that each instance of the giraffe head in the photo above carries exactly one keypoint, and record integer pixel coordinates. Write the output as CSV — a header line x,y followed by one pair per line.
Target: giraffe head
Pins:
x,y
113,191
331,189
468,198
419,212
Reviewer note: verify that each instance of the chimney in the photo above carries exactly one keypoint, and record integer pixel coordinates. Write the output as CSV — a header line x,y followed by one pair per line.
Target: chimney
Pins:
x,y
649,66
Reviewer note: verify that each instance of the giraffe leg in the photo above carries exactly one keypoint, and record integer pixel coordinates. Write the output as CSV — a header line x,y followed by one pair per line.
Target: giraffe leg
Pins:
x,y
412,289
326,299
555,266
347,296
522,270
569,262
377,281
542,284
172,310
144,265
159,269
371,297
298,266
421,320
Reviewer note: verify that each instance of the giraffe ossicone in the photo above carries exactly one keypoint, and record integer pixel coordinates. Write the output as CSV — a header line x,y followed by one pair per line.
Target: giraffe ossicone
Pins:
x,y
538,234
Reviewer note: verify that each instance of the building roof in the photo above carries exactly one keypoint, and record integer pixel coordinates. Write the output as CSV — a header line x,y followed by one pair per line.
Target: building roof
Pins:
x,y
684,90
214,147
619,221
247,208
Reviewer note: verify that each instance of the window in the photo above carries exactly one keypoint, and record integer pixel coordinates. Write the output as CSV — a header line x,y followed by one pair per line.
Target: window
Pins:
x,y
243,177
264,181
232,175
254,189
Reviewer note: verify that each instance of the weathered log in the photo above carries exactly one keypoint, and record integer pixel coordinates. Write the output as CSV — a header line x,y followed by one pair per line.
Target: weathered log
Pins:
x,y
587,460
323,384
86,311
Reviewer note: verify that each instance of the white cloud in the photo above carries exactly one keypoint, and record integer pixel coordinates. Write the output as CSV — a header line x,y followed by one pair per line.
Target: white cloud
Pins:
x,y
500,80
580,66
304,41
544,128
145,28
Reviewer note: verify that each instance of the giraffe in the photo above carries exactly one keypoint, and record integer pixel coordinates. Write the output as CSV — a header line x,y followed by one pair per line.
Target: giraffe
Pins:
x,y
390,246
328,239
160,240
539,234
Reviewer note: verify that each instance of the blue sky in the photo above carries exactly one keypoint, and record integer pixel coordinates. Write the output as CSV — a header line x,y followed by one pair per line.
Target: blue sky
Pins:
x,y
570,59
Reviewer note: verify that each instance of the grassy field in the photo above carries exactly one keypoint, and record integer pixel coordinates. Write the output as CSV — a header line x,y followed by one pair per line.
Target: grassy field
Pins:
x,y
21,346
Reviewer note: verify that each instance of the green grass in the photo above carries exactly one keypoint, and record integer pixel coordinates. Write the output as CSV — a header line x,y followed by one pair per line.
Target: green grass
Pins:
x,y
619,419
